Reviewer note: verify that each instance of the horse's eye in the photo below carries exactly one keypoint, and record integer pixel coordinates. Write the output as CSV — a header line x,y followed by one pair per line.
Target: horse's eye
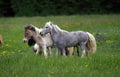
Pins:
x,y
26,32
46,27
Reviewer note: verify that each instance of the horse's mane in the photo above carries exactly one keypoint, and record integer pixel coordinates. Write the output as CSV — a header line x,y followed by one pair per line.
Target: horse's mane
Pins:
x,y
56,27
38,29
33,28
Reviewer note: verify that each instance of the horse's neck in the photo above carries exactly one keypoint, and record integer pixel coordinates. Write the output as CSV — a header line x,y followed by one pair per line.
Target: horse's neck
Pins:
x,y
36,37
57,30
55,33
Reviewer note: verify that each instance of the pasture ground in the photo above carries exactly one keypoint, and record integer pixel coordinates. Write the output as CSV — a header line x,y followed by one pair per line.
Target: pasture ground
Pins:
x,y
18,60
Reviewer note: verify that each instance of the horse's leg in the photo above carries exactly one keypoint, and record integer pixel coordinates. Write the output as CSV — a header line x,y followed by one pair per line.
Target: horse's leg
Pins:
x,y
83,49
34,49
44,50
74,49
38,51
63,52
78,50
50,51
71,51
56,51
67,51
87,51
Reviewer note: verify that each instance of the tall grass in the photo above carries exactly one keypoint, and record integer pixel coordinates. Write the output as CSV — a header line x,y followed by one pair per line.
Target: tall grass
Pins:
x,y
18,60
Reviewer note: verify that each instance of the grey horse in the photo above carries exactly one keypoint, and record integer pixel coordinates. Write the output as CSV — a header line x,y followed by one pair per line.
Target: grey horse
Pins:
x,y
63,39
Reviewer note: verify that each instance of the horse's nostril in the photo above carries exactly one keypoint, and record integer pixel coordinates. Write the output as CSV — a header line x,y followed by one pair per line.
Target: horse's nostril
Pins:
x,y
24,41
41,33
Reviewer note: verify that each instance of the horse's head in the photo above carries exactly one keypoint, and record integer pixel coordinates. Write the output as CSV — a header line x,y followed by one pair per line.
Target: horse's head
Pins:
x,y
47,28
28,32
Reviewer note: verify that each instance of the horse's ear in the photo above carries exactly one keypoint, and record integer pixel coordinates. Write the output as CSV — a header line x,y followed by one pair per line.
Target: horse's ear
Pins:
x,y
32,28
27,26
51,23
24,27
31,25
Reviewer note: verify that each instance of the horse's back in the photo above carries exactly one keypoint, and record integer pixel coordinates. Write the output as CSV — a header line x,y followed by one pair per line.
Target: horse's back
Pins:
x,y
81,36
76,36
72,38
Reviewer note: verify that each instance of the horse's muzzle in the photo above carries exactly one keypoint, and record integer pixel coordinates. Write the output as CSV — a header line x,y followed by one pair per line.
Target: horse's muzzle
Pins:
x,y
24,40
41,34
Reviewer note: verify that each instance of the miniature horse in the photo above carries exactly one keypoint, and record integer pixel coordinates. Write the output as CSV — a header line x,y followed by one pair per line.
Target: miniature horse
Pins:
x,y
36,48
43,41
63,39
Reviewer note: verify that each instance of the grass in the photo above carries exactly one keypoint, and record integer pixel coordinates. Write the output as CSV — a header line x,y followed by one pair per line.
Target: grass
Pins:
x,y
18,60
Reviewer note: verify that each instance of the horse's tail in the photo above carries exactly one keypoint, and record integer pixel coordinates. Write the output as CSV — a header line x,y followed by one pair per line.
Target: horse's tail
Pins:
x,y
91,44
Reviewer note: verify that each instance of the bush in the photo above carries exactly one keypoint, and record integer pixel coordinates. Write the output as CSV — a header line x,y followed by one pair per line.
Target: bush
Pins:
x,y
57,7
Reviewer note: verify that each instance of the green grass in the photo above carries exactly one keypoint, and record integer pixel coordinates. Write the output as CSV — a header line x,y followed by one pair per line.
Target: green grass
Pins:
x,y
18,60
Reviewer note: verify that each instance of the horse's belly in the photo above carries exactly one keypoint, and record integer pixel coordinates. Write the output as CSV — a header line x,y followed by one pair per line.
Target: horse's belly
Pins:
x,y
49,44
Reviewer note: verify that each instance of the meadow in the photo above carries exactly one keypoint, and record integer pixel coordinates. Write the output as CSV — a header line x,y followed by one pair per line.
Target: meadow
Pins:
x,y
18,60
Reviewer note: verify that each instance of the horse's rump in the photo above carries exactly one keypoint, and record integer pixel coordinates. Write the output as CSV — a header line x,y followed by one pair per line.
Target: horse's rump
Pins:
x,y
91,44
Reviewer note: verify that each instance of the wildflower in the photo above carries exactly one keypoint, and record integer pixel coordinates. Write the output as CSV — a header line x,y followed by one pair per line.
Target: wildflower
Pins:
x,y
109,41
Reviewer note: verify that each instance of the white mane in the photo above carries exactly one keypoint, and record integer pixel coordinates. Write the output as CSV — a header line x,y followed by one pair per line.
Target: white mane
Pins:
x,y
55,26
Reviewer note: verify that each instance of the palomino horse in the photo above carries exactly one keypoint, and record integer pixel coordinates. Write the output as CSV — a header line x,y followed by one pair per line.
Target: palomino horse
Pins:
x,y
63,39
44,42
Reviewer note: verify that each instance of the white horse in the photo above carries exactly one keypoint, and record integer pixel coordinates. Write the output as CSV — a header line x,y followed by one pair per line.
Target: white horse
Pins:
x,y
43,42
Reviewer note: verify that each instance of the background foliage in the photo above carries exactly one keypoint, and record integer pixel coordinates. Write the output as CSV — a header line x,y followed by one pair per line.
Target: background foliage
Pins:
x,y
57,7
